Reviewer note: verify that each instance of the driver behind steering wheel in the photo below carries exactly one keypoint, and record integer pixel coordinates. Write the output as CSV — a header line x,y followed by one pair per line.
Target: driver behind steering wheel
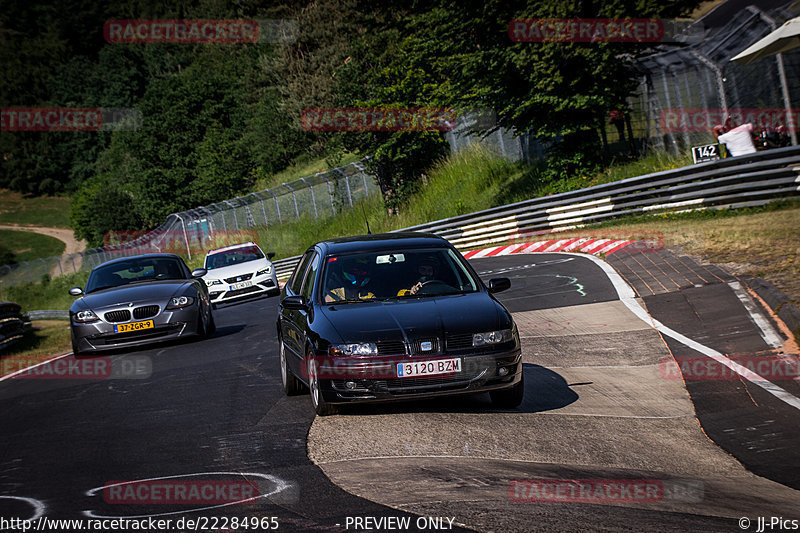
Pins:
x,y
427,268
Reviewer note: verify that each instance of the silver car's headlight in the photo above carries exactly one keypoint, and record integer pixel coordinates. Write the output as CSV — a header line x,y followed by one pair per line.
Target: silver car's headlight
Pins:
x,y
179,302
364,348
211,282
492,337
85,316
264,271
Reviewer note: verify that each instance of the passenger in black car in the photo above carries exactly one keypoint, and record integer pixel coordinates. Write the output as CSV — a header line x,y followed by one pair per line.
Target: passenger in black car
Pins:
x,y
349,283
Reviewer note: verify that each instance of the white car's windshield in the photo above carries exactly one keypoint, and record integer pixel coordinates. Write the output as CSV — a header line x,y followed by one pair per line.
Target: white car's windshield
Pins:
x,y
235,256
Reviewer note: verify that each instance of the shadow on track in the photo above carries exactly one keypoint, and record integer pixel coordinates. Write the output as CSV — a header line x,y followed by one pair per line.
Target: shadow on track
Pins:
x,y
545,390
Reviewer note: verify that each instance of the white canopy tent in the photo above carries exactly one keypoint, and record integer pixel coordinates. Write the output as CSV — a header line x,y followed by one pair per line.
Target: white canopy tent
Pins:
x,y
785,38
782,39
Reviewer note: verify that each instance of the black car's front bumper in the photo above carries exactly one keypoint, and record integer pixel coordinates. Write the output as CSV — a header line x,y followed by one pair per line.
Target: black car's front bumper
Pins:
x,y
356,380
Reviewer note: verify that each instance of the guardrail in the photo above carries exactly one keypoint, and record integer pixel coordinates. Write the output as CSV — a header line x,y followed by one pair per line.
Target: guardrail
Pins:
x,y
745,181
12,324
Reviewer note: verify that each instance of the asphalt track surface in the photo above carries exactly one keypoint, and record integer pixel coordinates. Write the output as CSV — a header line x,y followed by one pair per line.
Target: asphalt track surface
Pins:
x,y
597,407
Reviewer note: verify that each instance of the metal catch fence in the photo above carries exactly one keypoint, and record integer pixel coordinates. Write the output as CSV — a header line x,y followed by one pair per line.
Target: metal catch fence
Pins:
x,y
195,230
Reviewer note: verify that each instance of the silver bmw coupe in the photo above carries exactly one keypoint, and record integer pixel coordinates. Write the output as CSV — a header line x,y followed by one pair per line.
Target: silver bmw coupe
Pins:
x,y
138,300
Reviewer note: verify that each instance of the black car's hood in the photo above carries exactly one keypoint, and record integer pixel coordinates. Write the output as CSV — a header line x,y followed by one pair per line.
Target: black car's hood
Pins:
x,y
416,317
136,292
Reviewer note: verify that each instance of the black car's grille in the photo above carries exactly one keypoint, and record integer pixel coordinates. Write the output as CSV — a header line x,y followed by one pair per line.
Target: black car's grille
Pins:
x,y
145,311
460,341
416,383
391,348
236,279
417,349
118,316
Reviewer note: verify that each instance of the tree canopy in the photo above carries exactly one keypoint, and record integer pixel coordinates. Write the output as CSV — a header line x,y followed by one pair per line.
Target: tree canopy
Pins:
x,y
216,117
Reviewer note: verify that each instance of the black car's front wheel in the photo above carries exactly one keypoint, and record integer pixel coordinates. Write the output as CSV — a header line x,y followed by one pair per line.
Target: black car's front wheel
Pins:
x,y
321,407
291,385
508,398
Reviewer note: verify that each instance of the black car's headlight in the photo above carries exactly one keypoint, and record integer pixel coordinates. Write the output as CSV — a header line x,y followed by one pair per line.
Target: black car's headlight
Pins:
x,y
364,348
179,302
211,282
492,337
85,316
264,271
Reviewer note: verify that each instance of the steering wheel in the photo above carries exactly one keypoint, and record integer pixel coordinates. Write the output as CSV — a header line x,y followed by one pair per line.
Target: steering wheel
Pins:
x,y
431,282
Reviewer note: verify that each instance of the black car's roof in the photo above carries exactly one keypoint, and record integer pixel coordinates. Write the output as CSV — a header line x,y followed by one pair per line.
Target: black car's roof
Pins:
x,y
365,243
143,256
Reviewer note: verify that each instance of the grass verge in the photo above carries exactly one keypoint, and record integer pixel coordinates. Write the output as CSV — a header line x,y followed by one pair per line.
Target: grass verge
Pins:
x,y
26,245
48,294
47,339
48,211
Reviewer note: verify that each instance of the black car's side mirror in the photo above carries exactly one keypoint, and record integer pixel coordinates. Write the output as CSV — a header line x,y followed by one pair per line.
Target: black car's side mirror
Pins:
x,y
199,272
75,291
295,302
499,285
270,255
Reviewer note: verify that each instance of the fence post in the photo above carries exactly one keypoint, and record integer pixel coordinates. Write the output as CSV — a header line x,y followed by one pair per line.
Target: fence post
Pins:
x,y
235,219
330,191
686,140
294,199
263,209
277,207
185,236
363,178
313,202
347,183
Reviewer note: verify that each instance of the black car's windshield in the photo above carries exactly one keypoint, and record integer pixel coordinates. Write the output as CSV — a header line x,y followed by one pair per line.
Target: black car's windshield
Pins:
x,y
390,274
223,258
134,270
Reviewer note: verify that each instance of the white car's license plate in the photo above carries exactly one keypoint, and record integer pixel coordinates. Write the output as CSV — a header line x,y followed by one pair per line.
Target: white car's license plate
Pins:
x,y
241,285
428,368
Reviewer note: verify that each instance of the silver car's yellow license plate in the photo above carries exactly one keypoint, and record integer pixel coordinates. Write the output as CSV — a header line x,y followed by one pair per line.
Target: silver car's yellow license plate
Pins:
x,y
134,326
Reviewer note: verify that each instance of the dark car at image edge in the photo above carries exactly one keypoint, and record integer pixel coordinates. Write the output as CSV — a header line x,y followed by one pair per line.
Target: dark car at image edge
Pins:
x,y
394,317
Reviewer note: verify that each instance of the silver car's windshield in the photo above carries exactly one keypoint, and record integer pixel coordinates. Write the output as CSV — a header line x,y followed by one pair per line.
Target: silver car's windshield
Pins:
x,y
232,257
135,270
389,274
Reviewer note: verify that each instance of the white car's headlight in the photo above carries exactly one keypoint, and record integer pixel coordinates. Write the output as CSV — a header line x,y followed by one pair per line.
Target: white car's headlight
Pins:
x,y
211,282
264,271
85,316
364,348
492,337
179,302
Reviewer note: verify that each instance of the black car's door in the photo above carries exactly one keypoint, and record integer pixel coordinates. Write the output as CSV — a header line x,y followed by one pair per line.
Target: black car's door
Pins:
x,y
289,332
303,317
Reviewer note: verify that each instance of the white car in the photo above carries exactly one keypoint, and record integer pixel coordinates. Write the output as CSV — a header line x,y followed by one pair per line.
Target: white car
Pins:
x,y
239,271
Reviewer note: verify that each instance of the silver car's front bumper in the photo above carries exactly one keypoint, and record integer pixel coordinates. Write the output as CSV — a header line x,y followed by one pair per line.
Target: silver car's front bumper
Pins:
x,y
169,324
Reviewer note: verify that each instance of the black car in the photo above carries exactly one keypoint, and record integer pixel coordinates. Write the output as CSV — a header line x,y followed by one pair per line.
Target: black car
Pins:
x,y
137,300
395,316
